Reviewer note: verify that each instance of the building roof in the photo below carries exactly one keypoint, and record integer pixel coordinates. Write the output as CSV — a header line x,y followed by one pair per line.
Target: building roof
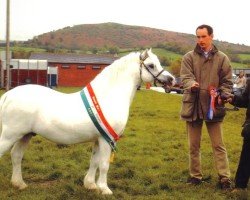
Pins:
x,y
74,58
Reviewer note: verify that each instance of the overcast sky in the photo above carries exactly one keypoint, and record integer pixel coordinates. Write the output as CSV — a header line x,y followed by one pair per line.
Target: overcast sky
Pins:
x,y
229,18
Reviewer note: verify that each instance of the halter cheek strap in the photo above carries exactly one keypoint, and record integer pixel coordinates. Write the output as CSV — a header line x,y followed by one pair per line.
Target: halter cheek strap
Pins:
x,y
142,64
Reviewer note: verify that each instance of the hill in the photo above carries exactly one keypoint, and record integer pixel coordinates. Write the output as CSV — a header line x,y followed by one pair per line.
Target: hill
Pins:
x,y
123,36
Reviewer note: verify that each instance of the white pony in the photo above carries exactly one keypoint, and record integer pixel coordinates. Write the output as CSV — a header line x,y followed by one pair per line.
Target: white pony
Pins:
x,y
63,118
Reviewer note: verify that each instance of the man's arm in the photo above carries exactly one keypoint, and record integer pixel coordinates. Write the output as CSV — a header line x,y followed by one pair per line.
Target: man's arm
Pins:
x,y
187,74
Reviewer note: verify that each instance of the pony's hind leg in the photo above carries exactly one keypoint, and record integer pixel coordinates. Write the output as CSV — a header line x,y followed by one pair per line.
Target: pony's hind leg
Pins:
x,y
16,157
5,145
89,180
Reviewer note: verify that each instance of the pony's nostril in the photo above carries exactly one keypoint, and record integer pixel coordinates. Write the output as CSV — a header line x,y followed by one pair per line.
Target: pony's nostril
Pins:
x,y
171,79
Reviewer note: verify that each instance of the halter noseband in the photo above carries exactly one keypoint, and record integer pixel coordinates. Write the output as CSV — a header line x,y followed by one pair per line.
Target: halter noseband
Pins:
x,y
142,59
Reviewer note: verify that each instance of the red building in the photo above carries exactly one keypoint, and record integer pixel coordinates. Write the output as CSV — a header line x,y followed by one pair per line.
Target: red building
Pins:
x,y
75,69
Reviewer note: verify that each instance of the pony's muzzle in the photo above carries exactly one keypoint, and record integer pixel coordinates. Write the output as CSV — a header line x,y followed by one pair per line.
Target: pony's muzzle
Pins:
x,y
169,81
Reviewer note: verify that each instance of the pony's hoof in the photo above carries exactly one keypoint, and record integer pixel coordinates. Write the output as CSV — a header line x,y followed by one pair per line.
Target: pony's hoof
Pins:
x,y
19,186
107,191
90,186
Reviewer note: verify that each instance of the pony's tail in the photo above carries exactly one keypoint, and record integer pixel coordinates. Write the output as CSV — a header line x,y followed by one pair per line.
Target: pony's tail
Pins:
x,y
2,100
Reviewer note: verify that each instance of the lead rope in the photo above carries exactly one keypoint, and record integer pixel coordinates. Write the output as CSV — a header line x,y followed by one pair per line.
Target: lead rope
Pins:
x,y
196,100
197,104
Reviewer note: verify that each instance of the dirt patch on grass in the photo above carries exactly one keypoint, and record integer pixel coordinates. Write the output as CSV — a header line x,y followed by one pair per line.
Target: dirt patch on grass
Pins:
x,y
42,182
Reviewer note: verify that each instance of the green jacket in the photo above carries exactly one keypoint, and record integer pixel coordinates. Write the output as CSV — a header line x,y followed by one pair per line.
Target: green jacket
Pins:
x,y
215,70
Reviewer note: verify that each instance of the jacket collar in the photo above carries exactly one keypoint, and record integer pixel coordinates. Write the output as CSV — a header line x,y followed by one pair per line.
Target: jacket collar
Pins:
x,y
198,50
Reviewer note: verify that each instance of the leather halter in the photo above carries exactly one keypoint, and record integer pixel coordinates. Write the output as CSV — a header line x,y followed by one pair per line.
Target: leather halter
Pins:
x,y
142,64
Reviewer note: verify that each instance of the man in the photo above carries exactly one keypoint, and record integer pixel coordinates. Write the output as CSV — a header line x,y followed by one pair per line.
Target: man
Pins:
x,y
202,69
240,82
243,171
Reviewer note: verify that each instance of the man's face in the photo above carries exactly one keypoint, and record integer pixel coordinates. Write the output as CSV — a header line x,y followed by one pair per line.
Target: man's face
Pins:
x,y
203,39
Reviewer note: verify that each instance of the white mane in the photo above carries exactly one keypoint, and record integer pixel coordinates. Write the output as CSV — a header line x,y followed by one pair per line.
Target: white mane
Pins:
x,y
111,74
119,78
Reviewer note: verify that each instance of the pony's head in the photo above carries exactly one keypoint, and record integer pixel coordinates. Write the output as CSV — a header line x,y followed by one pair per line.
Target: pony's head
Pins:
x,y
152,71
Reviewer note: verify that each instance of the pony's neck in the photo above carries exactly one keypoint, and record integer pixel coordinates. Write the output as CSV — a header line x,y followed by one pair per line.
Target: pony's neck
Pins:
x,y
121,78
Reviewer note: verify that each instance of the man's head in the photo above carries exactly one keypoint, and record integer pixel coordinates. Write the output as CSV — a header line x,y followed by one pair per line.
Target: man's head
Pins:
x,y
241,74
204,34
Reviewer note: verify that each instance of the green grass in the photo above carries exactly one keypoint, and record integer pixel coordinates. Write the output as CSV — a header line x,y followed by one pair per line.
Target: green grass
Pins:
x,y
25,49
158,51
165,53
238,65
151,162
68,89
244,56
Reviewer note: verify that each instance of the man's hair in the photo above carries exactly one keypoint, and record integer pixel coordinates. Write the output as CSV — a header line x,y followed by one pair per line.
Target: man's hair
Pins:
x,y
209,28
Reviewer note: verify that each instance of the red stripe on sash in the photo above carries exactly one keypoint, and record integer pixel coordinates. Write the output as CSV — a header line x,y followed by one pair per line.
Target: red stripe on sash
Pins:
x,y
213,95
99,111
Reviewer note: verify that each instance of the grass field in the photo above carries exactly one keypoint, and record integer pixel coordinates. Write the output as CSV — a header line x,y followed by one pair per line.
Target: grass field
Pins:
x,y
238,65
25,49
244,56
151,162
164,53
160,53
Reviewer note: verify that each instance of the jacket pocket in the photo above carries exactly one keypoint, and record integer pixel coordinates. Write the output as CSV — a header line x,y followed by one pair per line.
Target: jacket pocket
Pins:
x,y
220,112
188,102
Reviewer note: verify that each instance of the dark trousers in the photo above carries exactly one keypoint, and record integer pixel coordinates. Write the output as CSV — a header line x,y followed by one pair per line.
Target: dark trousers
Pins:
x,y
243,171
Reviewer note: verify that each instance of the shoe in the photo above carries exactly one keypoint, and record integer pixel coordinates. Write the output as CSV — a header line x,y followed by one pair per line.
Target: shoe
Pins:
x,y
225,184
194,181
239,190
236,108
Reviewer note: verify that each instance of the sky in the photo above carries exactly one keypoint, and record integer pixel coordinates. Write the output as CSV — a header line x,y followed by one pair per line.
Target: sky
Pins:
x,y
229,18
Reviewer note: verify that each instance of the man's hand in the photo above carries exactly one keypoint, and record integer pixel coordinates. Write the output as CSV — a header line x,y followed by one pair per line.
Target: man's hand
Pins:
x,y
195,87
227,97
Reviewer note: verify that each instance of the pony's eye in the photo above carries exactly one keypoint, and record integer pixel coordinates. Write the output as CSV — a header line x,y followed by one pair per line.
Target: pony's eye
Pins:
x,y
151,66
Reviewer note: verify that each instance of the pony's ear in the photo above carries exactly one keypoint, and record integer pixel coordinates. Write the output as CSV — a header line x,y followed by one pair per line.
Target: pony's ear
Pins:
x,y
144,55
150,50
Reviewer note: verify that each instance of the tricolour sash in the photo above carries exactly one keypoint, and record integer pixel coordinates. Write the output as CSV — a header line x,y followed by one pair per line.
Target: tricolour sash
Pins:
x,y
95,113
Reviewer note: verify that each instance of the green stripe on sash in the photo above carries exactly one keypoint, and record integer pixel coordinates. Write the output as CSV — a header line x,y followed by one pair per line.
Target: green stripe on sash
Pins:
x,y
96,123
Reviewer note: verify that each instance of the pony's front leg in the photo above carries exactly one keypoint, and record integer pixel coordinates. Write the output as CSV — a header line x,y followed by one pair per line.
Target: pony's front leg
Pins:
x,y
105,152
89,180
